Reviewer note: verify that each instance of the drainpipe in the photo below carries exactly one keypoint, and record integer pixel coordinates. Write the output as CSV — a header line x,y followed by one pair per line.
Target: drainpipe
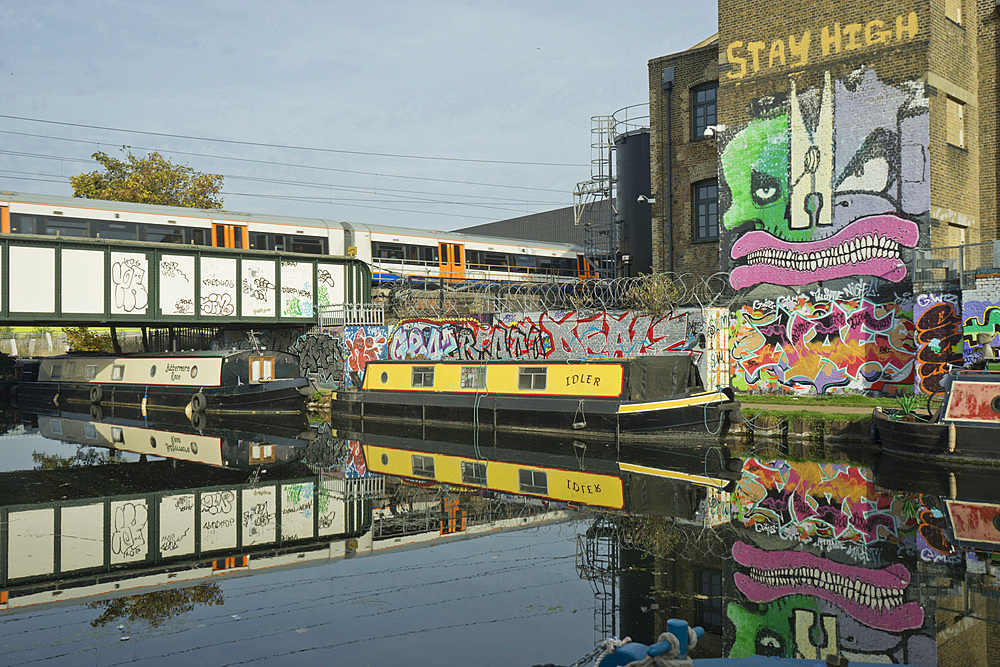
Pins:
x,y
668,188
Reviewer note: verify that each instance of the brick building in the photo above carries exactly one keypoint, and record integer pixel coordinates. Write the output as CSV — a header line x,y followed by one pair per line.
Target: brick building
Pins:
x,y
845,140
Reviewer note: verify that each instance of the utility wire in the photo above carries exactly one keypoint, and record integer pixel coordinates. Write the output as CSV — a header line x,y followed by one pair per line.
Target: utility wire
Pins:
x,y
236,142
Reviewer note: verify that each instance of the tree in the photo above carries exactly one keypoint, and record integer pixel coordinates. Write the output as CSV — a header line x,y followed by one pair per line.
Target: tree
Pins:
x,y
151,179
157,606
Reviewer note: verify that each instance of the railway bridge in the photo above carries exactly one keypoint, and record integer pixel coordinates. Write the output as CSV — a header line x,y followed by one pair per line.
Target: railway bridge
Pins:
x,y
53,280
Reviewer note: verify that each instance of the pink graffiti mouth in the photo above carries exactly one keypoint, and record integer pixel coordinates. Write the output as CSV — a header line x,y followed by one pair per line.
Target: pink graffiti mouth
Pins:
x,y
873,597
869,246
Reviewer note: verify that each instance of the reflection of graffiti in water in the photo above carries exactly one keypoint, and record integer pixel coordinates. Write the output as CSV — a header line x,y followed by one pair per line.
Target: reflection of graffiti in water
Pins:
x,y
831,505
128,535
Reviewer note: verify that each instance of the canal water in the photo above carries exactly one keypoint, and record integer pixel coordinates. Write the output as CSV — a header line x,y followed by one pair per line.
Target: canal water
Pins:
x,y
146,541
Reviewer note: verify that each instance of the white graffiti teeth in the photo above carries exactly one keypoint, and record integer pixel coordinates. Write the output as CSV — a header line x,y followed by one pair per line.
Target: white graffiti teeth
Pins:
x,y
860,592
859,249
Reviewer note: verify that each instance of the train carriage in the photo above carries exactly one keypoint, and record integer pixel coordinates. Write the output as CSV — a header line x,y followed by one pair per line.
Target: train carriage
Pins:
x,y
393,253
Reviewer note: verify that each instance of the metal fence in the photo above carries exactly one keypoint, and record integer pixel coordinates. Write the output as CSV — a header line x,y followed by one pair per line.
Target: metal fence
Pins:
x,y
955,266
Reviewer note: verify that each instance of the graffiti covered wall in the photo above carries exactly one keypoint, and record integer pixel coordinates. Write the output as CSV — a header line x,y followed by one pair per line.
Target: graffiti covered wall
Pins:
x,y
980,316
938,338
825,189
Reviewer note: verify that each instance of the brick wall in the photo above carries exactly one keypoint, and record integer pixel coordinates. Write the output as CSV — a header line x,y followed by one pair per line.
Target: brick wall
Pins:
x,y
694,159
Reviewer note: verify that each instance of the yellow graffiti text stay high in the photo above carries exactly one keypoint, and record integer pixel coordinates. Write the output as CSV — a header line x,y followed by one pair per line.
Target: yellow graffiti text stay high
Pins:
x,y
749,58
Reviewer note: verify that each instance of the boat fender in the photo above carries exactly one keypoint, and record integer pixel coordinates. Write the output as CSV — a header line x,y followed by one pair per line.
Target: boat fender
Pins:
x,y
951,437
97,412
199,420
199,402
96,394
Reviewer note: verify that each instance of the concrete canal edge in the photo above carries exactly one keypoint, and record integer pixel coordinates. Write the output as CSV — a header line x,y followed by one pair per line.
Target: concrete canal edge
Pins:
x,y
813,422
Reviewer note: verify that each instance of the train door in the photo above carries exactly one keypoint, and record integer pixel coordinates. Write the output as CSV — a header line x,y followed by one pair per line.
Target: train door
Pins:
x,y
584,268
5,219
452,261
225,235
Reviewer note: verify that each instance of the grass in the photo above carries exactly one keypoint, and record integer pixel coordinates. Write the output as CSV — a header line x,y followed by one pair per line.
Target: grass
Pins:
x,y
845,400
809,416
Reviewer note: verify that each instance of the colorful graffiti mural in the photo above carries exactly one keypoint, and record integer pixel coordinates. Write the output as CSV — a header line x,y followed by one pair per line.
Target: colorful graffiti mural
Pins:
x,y
938,338
980,317
817,344
827,183
828,592
363,344
547,335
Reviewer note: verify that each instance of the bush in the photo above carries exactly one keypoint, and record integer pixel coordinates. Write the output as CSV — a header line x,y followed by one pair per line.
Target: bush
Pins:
x,y
82,339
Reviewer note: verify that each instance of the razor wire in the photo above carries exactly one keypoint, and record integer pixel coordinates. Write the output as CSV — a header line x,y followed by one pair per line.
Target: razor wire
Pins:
x,y
658,293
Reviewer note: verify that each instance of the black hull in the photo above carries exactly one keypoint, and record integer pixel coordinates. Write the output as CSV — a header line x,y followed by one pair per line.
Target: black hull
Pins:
x,y
592,417
930,440
277,397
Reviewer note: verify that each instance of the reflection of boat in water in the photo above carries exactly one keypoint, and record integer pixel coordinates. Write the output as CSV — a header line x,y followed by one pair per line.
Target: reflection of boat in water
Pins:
x,y
965,428
609,398
214,381
219,441
546,466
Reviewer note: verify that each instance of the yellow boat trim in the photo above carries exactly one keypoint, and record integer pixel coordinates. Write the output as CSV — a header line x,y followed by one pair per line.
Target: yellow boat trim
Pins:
x,y
697,399
700,480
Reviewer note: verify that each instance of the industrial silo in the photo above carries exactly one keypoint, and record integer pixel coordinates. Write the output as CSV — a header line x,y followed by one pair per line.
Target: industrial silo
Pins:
x,y
634,199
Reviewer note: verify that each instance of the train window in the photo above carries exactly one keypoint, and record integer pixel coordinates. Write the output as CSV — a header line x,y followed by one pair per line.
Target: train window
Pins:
x,y
120,231
525,260
310,245
220,236
161,234
197,236
23,224
388,251
66,227
260,241
495,258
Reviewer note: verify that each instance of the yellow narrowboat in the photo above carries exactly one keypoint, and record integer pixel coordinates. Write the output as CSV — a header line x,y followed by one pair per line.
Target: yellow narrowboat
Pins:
x,y
603,397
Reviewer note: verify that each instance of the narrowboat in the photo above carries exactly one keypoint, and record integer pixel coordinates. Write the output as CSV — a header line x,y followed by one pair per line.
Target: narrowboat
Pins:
x,y
609,398
219,442
549,467
966,427
223,381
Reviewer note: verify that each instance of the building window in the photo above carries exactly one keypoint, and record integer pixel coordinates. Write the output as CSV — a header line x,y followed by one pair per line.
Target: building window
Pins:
x,y
473,473
706,210
533,481
709,611
531,377
423,466
956,122
703,108
953,10
423,376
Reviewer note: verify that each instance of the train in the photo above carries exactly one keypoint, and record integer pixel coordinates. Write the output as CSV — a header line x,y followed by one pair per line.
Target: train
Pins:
x,y
393,253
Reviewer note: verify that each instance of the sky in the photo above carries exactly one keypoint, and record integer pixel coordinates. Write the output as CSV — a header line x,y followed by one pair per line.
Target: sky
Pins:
x,y
426,114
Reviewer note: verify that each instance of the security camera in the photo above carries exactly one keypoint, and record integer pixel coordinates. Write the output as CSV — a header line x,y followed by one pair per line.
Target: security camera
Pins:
x,y
644,198
711,130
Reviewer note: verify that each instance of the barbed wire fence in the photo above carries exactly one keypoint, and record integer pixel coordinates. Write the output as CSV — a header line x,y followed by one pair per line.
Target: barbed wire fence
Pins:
x,y
657,294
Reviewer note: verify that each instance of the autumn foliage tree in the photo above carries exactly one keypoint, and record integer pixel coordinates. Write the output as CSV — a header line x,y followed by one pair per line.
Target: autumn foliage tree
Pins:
x,y
149,179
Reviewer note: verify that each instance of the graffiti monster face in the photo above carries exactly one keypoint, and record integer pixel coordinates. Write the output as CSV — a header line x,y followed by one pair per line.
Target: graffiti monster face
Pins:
x,y
825,187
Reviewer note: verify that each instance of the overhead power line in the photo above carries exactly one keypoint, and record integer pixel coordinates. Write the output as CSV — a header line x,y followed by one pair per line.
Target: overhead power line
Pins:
x,y
290,147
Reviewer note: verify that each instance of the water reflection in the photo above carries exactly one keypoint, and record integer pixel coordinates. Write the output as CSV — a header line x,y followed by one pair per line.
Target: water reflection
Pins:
x,y
772,555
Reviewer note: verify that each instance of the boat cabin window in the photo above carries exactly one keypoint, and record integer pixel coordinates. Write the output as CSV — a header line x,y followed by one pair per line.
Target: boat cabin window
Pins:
x,y
89,431
423,466
474,473
473,377
117,435
90,372
117,372
261,453
56,426
531,377
533,481
56,371
423,376
261,369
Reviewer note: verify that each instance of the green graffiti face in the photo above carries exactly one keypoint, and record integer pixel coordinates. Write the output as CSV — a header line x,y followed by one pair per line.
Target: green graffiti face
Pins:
x,y
768,631
755,164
